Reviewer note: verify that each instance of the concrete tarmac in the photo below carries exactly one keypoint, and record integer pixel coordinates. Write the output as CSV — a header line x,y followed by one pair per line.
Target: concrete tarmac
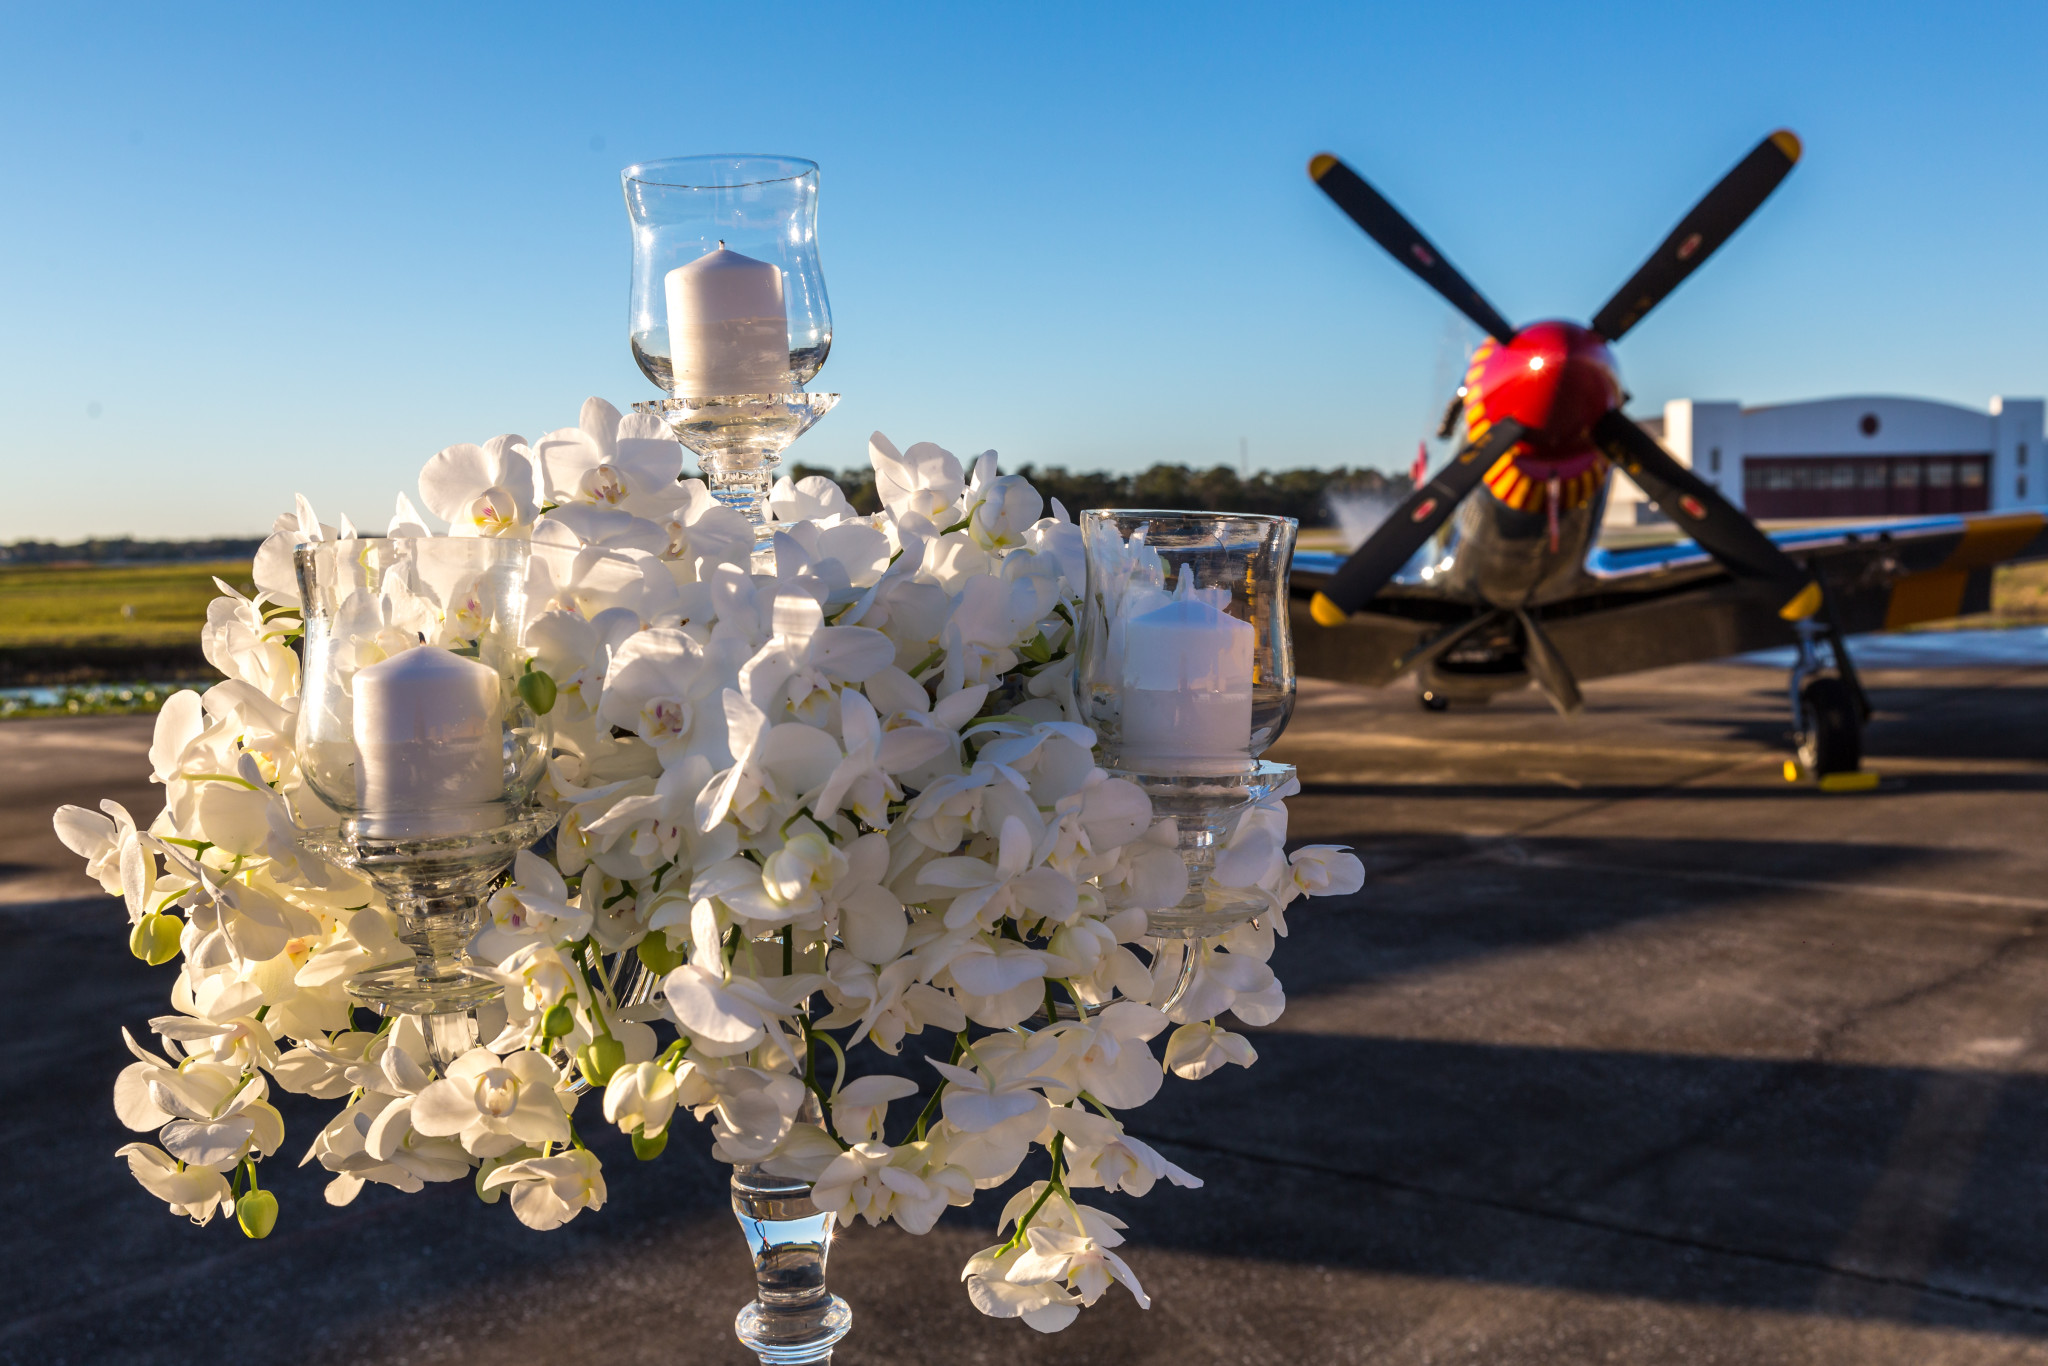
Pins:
x,y
1629,1051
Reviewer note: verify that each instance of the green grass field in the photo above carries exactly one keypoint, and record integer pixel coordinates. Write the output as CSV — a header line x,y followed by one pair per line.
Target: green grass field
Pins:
x,y
127,605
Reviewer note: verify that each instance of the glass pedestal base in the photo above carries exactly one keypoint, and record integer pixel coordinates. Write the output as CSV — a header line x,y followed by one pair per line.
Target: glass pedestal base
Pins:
x,y
739,439
1205,808
795,1320
408,989
435,883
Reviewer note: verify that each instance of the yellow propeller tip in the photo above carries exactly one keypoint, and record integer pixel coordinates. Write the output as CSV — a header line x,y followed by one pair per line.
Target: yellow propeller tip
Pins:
x,y
1319,165
1787,141
1803,606
1327,613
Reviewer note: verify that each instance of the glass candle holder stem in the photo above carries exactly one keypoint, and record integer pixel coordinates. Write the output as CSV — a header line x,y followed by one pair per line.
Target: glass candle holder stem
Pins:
x,y
793,1319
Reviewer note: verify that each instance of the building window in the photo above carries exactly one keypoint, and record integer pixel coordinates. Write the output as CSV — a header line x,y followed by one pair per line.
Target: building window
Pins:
x,y
1970,473
1868,426
2023,486
2023,455
1714,459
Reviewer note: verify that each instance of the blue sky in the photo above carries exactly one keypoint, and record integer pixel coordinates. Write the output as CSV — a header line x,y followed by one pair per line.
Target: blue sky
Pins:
x,y
248,251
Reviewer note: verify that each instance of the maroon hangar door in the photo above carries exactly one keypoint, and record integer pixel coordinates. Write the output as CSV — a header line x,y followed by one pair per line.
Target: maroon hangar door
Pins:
x,y
1808,487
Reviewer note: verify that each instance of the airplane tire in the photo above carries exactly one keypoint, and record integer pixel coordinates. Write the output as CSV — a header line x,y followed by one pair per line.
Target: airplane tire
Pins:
x,y
1830,736
1432,701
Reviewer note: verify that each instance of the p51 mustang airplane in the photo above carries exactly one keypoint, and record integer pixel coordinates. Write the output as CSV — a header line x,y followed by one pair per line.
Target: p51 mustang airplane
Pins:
x,y
1520,594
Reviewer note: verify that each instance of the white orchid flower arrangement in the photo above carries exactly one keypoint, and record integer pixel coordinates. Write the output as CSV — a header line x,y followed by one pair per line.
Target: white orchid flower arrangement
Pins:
x,y
842,801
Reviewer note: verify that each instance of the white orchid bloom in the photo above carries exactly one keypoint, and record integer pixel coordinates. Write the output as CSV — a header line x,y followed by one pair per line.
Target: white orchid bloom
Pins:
x,y
861,1106
533,908
1195,1050
640,1098
482,490
194,1192
752,1110
1325,870
726,1018
628,463
493,1105
924,481
1014,885
864,782
805,656
658,683
773,765
998,981
1106,1054
1002,1087
890,1004
813,498
104,842
1222,981
547,1192
1100,1154
993,618
1046,1305
1079,1261
1004,515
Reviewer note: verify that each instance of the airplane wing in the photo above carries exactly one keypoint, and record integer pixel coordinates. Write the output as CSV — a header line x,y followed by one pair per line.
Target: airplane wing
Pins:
x,y
1651,606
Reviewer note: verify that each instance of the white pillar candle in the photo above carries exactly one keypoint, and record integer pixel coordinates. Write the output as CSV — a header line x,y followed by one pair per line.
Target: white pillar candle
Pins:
x,y
728,330
1187,683
429,743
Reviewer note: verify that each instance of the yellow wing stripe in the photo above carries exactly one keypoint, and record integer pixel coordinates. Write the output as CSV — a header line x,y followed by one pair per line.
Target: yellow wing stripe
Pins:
x,y
1936,594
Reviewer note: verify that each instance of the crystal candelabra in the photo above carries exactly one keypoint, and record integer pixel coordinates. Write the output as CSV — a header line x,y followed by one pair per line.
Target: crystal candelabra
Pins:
x,y
417,728
1187,676
734,376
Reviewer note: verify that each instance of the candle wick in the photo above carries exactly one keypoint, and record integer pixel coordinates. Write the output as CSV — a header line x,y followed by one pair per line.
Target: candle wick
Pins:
x,y
721,244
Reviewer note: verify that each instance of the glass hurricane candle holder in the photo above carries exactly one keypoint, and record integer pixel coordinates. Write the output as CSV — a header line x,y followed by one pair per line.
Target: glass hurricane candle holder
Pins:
x,y
729,314
415,725
1187,677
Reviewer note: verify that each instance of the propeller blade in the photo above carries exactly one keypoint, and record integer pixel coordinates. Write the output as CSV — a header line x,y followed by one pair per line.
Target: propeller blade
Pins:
x,y
1548,668
1430,651
1722,529
1395,540
1700,233
1384,224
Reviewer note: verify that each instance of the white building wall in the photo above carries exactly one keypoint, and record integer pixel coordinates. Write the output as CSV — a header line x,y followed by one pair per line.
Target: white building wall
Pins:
x,y
2017,476
1695,430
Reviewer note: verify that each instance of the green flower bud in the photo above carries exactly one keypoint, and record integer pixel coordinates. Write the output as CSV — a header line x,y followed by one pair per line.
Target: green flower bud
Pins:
x,y
256,1212
558,1021
599,1059
155,938
538,691
647,1149
659,958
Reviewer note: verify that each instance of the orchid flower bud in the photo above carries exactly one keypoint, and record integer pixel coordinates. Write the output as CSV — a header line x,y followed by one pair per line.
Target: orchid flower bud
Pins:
x,y
155,938
256,1212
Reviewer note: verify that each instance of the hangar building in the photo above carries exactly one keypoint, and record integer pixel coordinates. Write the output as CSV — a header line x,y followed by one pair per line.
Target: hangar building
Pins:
x,y
1852,457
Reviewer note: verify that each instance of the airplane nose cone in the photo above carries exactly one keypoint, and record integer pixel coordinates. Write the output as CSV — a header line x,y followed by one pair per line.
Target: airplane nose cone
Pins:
x,y
1555,378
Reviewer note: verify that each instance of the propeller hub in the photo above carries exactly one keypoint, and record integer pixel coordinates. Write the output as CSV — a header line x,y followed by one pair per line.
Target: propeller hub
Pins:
x,y
1555,378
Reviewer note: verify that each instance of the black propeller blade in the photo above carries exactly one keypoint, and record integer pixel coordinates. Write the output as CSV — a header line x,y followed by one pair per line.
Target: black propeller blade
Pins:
x,y
1548,668
1721,528
1384,224
1699,234
1389,547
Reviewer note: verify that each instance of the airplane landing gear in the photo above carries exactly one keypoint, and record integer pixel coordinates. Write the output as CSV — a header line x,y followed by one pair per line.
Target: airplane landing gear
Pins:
x,y
1829,738
1828,707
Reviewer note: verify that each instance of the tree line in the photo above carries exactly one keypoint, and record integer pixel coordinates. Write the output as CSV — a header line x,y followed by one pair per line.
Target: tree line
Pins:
x,y
1301,494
